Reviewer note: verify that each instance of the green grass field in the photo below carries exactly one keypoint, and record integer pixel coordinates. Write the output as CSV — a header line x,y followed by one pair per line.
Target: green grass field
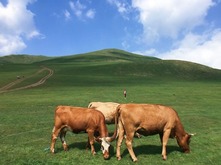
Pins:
x,y
26,116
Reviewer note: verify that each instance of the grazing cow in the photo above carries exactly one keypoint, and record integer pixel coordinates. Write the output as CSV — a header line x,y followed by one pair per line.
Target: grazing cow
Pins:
x,y
107,108
148,119
77,119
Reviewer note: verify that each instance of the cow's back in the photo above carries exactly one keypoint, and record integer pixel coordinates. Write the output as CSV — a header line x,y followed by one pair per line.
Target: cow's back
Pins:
x,y
78,118
107,108
151,118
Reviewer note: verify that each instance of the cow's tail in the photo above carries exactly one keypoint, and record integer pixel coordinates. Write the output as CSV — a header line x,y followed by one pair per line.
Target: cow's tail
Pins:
x,y
116,132
90,105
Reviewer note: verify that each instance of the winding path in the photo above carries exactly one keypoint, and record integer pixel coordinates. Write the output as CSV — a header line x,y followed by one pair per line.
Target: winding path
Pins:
x,y
7,87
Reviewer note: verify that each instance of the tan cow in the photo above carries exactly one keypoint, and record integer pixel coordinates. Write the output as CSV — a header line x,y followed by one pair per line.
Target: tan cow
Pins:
x,y
107,108
148,119
77,119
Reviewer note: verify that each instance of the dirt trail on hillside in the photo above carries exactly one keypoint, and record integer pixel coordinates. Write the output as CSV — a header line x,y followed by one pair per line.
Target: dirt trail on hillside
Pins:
x,y
7,87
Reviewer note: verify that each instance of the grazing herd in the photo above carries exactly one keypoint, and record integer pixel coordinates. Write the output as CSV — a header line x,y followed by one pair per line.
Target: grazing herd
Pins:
x,y
129,120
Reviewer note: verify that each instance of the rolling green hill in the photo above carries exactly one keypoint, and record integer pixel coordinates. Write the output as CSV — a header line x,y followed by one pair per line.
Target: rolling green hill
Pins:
x,y
118,65
22,59
129,66
105,56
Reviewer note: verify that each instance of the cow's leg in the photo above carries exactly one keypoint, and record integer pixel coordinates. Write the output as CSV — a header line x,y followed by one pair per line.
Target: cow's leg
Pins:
x,y
120,139
96,135
91,141
138,135
88,143
165,138
54,136
161,138
129,140
62,137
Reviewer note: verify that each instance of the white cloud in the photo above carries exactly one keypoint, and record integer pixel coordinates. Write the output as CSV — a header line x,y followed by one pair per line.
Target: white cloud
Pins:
x,y
182,24
123,7
168,18
10,44
90,13
81,11
16,22
77,8
67,15
149,52
204,49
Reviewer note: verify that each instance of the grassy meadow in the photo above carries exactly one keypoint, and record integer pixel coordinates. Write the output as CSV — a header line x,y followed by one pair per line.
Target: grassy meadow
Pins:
x,y
27,116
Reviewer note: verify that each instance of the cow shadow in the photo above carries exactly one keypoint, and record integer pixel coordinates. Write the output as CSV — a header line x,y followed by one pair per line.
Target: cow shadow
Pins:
x,y
72,146
83,146
151,150
138,150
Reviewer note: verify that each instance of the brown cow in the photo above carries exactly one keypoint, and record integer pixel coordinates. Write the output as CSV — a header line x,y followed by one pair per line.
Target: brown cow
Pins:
x,y
148,119
77,119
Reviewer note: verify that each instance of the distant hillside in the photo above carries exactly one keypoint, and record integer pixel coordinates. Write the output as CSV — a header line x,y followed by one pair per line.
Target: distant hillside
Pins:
x,y
22,59
120,64
106,55
113,54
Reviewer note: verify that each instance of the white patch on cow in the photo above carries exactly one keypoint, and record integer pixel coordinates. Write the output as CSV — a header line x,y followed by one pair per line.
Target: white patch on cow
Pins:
x,y
53,129
63,140
104,145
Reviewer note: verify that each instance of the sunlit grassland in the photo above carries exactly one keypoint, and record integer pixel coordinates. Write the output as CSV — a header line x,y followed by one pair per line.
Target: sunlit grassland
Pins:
x,y
27,121
26,116
9,72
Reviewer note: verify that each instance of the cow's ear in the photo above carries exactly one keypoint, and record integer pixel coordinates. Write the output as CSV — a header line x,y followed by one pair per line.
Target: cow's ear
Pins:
x,y
108,139
99,140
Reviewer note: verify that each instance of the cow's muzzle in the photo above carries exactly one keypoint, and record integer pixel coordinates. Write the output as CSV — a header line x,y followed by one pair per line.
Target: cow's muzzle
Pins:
x,y
106,155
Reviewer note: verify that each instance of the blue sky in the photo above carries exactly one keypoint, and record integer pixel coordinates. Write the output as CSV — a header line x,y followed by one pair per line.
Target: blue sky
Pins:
x,y
169,29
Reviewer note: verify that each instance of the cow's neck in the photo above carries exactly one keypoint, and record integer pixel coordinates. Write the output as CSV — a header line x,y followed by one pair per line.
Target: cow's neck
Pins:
x,y
179,131
103,130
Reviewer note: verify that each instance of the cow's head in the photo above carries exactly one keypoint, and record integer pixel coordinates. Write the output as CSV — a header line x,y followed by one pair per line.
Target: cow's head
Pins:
x,y
105,145
184,143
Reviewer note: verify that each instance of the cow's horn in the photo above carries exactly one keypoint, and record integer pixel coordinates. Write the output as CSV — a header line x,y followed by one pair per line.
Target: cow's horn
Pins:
x,y
192,134
113,137
110,139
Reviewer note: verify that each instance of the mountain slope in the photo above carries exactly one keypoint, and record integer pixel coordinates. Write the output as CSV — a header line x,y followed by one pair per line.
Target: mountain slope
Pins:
x,y
22,59
106,55
114,63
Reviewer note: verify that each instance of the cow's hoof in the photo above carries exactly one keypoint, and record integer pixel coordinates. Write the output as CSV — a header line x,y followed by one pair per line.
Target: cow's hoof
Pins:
x,y
134,160
119,158
65,148
52,151
164,157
